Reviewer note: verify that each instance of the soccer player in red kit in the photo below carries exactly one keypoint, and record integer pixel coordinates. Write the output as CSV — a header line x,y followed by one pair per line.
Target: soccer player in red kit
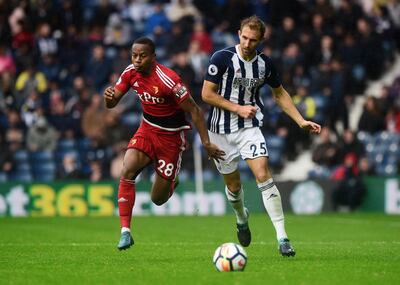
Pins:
x,y
161,137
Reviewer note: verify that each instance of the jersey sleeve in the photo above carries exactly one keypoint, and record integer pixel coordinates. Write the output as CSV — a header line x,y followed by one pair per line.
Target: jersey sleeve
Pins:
x,y
123,83
216,67
179,91
272,77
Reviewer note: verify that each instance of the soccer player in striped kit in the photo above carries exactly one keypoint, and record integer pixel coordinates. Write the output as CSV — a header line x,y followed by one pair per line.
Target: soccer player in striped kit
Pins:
x,y
231,86
161,137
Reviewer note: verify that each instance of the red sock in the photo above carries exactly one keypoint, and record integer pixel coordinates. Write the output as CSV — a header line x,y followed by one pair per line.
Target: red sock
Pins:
x,y
126,200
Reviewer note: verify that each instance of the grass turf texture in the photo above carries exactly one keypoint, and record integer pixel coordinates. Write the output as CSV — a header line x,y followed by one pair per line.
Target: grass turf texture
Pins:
x,y
331,249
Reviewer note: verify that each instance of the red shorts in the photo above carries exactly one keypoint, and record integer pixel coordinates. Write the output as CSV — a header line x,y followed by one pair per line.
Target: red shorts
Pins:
x,y
163,147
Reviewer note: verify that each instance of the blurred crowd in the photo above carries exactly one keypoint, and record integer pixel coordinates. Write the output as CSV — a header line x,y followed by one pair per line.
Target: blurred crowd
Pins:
x,y
56,58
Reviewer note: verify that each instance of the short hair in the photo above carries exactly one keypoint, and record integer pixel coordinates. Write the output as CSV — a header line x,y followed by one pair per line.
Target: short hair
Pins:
x,y
146,41
254,23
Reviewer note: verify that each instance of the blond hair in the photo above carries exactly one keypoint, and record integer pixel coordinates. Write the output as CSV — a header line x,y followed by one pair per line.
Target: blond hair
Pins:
x,y
254,23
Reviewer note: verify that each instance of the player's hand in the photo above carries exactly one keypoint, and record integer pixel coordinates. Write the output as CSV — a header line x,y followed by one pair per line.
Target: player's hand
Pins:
x,y
310,126
109,93
214,152
247,111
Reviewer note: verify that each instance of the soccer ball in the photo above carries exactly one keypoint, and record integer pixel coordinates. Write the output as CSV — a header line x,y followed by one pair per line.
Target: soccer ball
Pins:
x,y
230,257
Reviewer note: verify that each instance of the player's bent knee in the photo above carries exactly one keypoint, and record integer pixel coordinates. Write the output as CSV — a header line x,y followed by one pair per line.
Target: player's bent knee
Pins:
x,y
128,174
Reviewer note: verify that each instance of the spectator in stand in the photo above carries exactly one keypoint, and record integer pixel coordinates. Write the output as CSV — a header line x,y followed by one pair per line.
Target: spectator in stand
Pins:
x,y
371,120
347,13
50,66
198,60
351,189
393,7
177,36
15,130
365,167
6,60
7,93
70,169
349,144
326,51
93,121
46,43
325,9
74,46
181,65
371,49
117,32
98,68
96,171
122,60
6,156
157,23
349,50
41,136
180,9
325,152
392,120
28,81
102,12
69,13
79,100
287,33
58,117
31,109
201,36
307,108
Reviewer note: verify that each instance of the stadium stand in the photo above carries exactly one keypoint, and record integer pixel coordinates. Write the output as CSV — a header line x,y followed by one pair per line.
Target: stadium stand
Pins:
x,y
53,62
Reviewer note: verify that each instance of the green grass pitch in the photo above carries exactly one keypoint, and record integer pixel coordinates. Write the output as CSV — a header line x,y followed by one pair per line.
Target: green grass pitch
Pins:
x,y
331,249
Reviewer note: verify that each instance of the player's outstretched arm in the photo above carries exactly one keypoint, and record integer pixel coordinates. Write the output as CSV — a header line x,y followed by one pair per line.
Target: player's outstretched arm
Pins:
x,y
285,102
210,96
190,106
112,96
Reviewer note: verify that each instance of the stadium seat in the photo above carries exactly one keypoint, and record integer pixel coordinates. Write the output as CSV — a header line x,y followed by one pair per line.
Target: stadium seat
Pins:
x,y
274,141
44,171
365,137
45,177
23,166
275,157
66,144
21,176
84,144
3,177
42,156
21,156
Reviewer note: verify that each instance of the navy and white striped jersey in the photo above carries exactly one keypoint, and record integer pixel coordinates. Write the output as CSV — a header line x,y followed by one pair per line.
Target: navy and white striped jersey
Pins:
x,y
239,81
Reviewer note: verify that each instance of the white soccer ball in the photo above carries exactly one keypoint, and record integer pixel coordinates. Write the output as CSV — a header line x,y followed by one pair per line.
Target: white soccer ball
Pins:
x,y
230,257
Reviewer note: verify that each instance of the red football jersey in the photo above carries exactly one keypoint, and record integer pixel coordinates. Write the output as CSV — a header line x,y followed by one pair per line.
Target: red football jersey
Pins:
x,y
160,93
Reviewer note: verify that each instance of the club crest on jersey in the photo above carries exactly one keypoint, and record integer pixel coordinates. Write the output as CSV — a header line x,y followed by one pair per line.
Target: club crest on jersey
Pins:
x,y
179,90
155,88
212,69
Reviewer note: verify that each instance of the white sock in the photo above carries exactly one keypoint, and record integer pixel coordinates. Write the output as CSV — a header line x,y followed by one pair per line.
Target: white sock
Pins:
x,y
273,205
237,202
124,229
